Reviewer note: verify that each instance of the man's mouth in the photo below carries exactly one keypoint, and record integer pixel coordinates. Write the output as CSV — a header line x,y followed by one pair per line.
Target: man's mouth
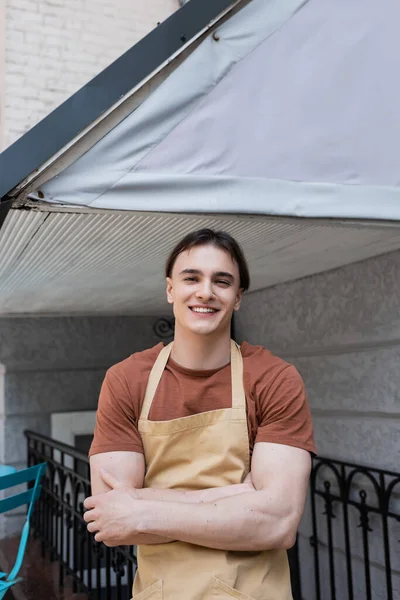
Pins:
x,y
201,310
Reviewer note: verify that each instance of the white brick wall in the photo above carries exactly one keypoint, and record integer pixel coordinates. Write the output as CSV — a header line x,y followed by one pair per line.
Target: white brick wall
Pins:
x,y
53,47
2,72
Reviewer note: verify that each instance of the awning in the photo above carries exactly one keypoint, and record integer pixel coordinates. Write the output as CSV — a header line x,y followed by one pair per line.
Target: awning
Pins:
x,y
278,122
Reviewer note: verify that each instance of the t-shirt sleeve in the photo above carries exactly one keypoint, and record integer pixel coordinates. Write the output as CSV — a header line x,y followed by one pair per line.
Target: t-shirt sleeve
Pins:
x,y
285,413
116,424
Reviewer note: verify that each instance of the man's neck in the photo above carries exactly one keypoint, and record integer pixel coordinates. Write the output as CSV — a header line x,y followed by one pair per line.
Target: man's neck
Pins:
x,y
200,352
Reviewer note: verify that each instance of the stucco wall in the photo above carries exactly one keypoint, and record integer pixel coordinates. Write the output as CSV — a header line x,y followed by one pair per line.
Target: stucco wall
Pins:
x,y
53,47
57,365
342,331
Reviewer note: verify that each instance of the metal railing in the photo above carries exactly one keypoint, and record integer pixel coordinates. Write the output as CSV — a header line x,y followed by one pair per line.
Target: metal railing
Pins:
x,y
100,572
355,524
353,528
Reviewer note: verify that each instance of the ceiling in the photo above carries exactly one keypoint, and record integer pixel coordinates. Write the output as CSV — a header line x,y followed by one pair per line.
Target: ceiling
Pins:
x,y
67,262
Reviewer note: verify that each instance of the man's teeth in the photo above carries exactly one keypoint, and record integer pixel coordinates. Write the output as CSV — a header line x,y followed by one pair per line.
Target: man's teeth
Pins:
x,y
204,310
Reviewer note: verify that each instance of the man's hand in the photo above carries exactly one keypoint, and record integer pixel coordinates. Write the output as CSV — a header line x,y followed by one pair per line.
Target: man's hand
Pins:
x,y
113,515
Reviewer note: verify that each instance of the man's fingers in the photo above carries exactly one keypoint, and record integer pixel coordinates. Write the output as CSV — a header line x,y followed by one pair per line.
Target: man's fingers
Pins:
x,y
92,527
90,502
89,516
109,479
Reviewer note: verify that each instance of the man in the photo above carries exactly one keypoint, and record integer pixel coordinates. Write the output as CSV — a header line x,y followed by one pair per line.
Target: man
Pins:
x,y
177,431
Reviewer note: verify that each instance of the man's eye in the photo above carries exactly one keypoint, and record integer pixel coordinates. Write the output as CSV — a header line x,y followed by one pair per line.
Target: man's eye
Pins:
x,y
190,279
223,282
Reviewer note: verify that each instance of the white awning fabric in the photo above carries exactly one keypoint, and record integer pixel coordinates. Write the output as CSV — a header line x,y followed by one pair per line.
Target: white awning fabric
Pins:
x,y
288,109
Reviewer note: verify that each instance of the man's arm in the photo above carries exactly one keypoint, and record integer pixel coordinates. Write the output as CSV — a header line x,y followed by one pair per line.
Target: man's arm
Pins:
x,y
111,470
266,519
125,471
128,468
257,520
116,426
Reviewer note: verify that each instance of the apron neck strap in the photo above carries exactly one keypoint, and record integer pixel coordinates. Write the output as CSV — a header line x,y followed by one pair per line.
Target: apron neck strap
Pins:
x,y
238,396
154,379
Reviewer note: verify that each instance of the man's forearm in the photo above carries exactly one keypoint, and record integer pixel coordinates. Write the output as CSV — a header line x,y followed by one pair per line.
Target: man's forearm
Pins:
x,y
189,497
196,496
246,522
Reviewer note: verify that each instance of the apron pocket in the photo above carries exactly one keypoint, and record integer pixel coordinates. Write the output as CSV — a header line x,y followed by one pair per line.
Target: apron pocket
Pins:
x,y
154,592
220,590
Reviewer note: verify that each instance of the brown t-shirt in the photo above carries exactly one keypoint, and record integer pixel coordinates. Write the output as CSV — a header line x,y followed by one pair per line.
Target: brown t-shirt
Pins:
x,y
277,407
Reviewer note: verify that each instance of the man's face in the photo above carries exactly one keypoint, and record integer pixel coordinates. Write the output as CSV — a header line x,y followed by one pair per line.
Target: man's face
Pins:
x,y
204,290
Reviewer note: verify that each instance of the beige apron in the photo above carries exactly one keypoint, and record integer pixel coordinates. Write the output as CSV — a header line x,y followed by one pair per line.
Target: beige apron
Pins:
x,y
202,451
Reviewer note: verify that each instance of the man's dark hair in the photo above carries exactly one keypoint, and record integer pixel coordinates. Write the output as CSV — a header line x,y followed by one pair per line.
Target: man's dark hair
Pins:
x,y
219,239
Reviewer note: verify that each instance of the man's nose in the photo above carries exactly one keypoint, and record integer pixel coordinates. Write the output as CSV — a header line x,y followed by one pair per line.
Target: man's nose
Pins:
x,y
205,290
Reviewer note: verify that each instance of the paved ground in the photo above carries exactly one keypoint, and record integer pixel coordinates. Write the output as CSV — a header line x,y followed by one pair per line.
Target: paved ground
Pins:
x,y
40,576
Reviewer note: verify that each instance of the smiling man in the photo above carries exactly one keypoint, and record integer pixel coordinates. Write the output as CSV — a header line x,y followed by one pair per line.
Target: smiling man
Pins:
x,y
201,452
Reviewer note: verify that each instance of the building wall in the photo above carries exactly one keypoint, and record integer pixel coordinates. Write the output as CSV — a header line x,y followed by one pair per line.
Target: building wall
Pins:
x,y
2,72
52,365
342,331
52,48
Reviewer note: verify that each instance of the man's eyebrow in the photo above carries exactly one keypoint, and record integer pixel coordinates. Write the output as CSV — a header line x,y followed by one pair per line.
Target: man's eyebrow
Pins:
x,y
191,272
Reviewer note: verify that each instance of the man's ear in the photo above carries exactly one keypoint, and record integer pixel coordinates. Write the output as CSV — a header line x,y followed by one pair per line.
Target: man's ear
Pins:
x,y
170,296
238,299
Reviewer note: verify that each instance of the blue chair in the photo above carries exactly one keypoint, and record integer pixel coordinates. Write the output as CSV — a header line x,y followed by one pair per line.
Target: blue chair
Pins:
x,y
10,477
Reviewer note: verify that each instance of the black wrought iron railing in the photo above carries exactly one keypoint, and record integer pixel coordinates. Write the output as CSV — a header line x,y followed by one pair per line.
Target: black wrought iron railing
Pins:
x,y
348,546
100,572
355,525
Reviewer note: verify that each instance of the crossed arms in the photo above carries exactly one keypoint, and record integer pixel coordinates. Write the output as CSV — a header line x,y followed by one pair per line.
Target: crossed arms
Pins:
x,y
262,513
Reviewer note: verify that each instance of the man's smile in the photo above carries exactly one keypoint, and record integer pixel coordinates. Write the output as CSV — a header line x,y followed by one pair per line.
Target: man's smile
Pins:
x,y
204,310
